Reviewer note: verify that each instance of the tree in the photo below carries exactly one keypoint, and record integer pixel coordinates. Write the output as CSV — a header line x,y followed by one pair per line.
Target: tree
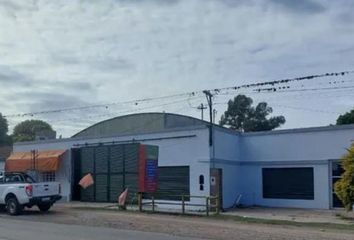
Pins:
x,y
4,128
27,130
240,115
344,188
347,118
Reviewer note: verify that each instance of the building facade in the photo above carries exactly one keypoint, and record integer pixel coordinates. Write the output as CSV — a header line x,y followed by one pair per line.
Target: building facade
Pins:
x,y
282,168
5,152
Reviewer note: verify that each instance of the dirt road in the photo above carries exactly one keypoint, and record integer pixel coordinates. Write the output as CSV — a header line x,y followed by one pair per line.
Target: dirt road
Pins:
x,y
198,227
11,229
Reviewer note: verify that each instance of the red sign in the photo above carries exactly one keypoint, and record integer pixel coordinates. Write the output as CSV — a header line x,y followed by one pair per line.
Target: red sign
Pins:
x,y
148,169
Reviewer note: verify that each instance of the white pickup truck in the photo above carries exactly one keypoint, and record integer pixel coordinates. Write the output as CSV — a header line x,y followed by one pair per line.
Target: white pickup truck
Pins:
x,y
19,190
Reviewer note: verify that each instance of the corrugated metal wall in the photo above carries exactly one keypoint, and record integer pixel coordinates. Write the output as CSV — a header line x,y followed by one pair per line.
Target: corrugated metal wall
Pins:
x,y
113,167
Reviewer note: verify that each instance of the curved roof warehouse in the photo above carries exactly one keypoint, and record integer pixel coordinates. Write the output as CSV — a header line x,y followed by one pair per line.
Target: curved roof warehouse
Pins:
x,y
282,168
140,123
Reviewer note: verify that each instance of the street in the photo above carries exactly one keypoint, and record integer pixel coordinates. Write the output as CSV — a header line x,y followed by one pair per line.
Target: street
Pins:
x,y
20,229
67,222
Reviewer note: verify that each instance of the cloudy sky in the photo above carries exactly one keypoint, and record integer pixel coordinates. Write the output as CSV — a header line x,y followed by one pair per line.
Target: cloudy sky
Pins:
x,y
63,54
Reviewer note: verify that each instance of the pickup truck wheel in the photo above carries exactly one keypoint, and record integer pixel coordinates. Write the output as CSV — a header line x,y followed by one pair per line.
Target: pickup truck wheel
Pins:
x,y
44,207
13,207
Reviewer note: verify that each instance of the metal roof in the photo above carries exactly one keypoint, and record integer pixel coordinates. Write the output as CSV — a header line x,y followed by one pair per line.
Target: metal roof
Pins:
x,y
140,123
147,123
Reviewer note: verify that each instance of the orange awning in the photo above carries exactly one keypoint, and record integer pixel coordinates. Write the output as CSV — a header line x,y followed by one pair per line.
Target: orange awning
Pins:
x,y
42,161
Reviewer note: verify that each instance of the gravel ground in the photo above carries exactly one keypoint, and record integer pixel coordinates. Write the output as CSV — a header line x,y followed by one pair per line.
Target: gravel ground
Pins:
x,y
201,227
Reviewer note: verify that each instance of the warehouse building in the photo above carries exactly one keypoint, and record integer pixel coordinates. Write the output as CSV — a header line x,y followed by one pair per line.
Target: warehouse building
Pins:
x,y
282,168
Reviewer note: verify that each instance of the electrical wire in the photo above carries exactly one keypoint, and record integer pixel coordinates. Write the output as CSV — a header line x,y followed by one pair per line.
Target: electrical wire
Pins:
x,y
125,111
103,105
292,107
214,91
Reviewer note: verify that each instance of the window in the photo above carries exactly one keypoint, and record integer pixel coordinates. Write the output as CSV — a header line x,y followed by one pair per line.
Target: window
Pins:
x,y
48,176
288,183
13,178
28,179
337,171
201,179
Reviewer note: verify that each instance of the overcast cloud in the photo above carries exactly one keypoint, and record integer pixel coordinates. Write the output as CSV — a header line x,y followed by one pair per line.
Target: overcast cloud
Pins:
x,y
62,54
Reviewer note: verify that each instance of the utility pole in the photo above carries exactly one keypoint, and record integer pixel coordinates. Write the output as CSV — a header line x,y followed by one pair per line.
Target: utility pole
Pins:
x,y
33,170
214,114
209,97
202,108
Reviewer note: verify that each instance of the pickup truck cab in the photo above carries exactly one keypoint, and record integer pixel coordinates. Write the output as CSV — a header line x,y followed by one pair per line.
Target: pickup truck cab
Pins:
x,y
19,190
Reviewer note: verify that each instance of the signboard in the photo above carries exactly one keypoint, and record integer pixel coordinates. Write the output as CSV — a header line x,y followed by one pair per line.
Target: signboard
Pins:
x,y
148,168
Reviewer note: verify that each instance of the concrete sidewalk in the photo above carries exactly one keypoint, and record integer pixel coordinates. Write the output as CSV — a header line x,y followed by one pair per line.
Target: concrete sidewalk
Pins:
x,y
283,214
297,215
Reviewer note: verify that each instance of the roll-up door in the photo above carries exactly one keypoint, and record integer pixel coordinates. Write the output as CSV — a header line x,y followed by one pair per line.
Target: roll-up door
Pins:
x,y
173,182
288,183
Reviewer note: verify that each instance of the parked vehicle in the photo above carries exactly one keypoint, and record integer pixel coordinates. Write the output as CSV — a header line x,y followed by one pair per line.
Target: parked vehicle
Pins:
x,y
19,190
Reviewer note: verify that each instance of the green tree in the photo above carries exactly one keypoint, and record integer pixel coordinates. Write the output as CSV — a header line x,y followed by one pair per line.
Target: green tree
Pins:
x,y
27,130
4,128
241,115
344,188
347,118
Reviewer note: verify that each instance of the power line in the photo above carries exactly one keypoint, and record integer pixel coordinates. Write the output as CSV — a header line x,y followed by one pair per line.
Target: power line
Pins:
x,y
103,105
288,89
213,91
125,111
294,108
309,89
286,80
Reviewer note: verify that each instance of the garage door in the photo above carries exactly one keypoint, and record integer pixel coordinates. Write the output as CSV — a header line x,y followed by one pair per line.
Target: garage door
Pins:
x,y
288,183
173,182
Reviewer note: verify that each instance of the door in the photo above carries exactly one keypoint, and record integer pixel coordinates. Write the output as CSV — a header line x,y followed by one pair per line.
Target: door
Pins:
x,y
173,182
76,174
216,185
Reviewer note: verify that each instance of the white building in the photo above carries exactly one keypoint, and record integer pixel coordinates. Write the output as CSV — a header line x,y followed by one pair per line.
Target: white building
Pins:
x,y
282,168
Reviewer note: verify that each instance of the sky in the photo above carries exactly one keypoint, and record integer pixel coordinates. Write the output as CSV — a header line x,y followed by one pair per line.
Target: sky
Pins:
x,y
64,54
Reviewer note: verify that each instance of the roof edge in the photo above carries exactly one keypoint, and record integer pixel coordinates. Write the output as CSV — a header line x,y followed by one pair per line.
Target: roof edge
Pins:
x,y
70,139
301,130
